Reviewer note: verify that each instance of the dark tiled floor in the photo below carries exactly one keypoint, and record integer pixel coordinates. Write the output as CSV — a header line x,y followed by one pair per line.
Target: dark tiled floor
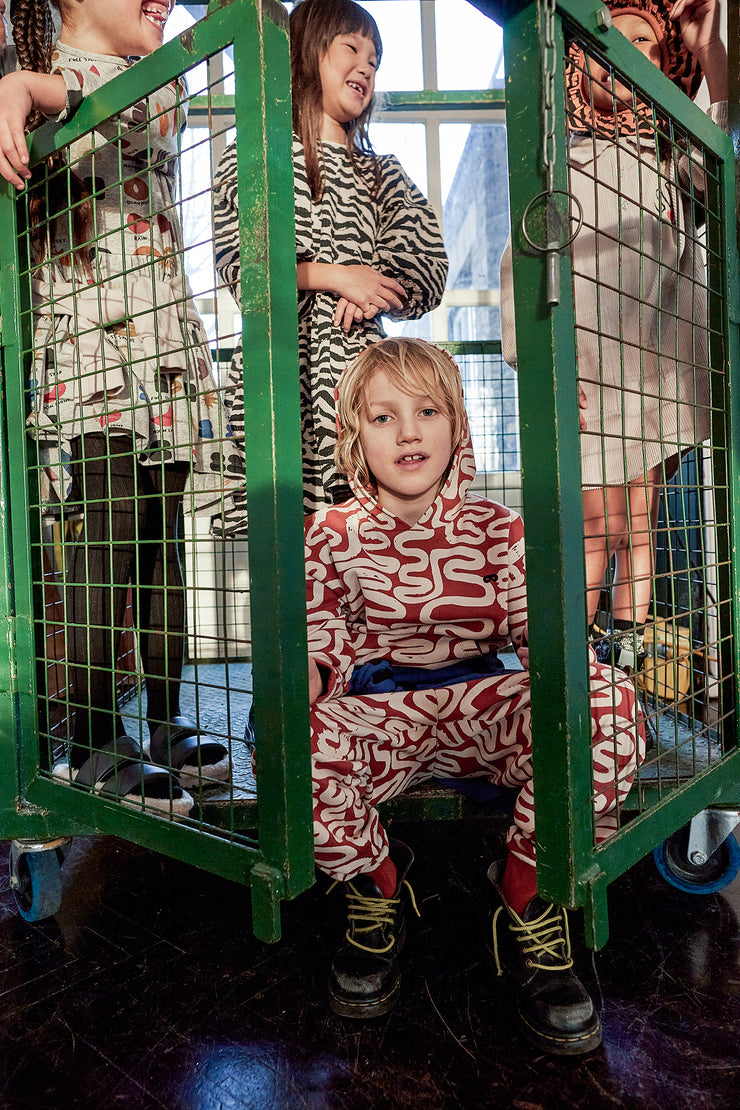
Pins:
x,y
148,991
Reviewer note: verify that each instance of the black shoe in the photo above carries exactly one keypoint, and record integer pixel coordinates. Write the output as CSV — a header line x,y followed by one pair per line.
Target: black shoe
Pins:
x,y
600,641
365,978
622,648
555,1009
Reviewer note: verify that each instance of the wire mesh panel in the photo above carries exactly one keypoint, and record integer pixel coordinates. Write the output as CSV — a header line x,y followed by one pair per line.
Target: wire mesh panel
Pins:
x,y
119,333
491,400
626,334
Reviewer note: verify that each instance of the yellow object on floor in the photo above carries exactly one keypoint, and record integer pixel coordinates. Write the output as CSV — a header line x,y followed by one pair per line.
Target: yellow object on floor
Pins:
x,y
671,660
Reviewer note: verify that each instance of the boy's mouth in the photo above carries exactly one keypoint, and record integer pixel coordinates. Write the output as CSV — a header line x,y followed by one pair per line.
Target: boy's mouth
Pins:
x,y
416,457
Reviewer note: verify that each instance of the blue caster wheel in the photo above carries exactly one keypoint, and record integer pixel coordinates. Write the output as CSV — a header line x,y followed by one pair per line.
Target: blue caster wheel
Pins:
x,y
671,859
36,882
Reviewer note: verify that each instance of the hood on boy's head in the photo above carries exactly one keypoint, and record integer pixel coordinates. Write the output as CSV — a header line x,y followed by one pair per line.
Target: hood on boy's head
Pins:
x,y
677,64
462,463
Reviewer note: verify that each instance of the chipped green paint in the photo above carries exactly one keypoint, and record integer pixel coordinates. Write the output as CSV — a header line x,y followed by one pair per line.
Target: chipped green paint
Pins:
x,y
570,869
31,805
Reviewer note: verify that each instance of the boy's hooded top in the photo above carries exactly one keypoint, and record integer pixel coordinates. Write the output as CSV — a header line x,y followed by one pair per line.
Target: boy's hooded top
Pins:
x,y
449,587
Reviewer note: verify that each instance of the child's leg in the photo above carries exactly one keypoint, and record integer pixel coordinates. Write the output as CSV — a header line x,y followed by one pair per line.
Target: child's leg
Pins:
x,y
604,516
160,590
176,741
484,728
101,562
485,725
634,549
364,750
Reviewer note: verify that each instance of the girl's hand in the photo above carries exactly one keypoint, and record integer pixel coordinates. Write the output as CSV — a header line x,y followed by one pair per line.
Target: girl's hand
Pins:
x,y
700,31
699,23
20,92
15,104
315,683
347,314
368,289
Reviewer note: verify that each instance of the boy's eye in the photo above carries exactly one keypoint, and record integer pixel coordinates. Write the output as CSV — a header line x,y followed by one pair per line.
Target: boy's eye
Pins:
x,y
429,412
383,418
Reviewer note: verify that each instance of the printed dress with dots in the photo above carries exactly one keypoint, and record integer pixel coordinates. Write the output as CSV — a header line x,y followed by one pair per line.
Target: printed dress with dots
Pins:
x,y
118,343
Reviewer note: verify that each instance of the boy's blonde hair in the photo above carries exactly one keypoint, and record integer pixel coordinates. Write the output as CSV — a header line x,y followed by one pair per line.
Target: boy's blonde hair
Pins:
x,y
414,366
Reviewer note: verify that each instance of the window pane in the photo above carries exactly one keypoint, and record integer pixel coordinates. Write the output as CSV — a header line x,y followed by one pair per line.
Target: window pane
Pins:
x,y
399,23
469,47
476,220
408,142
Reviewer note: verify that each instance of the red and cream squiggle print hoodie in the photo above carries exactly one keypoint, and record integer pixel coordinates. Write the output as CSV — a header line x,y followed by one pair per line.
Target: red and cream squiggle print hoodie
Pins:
x,y
447,588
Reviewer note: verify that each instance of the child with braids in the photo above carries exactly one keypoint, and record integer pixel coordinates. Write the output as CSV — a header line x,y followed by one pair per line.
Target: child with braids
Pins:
x,y
367,241
125,410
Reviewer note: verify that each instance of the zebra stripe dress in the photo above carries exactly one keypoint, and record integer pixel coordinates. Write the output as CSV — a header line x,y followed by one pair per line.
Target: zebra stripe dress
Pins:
x,y
394,230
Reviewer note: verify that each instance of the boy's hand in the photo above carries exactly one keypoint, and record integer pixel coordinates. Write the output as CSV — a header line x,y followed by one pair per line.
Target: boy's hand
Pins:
x,y
315,682
523,650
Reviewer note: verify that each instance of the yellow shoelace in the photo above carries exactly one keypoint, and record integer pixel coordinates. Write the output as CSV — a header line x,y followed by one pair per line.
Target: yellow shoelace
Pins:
x,y
547,935
367,914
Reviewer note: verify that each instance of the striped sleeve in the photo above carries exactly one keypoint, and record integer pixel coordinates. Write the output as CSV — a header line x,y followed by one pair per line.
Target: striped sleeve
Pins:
x,y
226,222
409,244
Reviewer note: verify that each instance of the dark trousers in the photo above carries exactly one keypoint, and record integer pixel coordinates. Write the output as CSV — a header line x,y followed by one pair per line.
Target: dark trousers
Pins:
x,y
129,537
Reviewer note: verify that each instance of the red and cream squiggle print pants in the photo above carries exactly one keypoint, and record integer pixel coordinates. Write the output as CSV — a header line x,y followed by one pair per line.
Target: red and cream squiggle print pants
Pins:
x,y
368,748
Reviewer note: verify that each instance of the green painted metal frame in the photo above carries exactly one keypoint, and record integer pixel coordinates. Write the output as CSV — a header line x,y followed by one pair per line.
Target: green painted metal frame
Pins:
x,y
31,805
570,869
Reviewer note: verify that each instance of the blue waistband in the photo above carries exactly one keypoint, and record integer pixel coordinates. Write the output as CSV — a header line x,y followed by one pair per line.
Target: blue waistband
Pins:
x,y
382,677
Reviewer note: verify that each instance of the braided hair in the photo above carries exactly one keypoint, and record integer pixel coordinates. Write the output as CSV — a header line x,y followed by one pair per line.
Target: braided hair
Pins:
x,y
33,28
32,32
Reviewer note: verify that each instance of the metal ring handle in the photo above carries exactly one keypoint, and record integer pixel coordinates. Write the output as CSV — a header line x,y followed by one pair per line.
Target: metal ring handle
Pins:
x,y
552,246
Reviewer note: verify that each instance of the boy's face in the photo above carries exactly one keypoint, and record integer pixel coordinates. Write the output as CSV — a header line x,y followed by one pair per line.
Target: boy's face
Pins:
x,y
407,440
642,35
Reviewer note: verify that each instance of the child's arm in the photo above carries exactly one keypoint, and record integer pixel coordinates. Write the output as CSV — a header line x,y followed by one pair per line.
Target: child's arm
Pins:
x,y
409,242
699,22
516,600
20,93
331,645
362,290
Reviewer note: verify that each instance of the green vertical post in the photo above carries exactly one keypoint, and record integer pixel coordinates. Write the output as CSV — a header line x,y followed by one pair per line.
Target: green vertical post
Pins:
x,y
272,442
553,513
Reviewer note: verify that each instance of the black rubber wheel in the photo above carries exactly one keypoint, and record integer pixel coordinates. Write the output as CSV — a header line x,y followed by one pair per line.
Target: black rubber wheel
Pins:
x,y
671,859
36,882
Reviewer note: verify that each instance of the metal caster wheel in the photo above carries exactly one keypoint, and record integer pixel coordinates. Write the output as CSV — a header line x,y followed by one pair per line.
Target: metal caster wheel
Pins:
x,y
36,879
694,874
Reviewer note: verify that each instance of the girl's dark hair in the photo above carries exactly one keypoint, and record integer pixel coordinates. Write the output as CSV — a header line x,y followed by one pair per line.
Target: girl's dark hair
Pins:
x,y
32,34
314,24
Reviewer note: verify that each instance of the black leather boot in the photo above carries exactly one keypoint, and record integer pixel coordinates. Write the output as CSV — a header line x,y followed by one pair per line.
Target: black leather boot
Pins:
x,y
365,978
555,1009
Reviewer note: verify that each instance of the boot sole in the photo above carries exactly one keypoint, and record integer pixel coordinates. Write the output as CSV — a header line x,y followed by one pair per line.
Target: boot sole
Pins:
x,y
346,1008
576,1044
